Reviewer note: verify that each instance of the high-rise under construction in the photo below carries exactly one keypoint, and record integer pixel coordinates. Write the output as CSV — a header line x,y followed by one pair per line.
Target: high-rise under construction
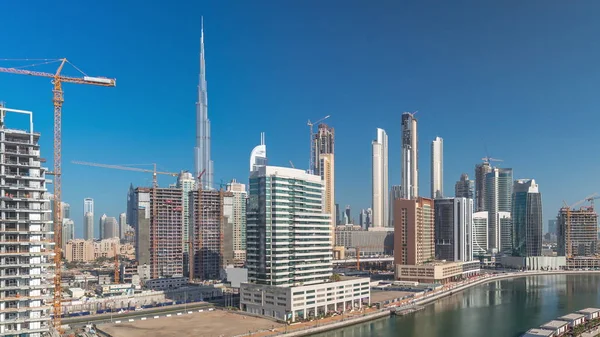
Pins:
x,y
583,234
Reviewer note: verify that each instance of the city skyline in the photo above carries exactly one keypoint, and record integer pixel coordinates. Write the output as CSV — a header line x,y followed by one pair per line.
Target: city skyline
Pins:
x,y
109,188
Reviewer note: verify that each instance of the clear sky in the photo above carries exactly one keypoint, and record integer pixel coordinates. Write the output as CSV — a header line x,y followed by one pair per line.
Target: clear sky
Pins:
x,y
518,77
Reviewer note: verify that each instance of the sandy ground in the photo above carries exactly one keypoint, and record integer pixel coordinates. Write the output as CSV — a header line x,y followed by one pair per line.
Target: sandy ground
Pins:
x,y
202,324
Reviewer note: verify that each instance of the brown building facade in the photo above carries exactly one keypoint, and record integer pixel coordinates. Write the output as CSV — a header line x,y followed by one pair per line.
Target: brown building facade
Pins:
x,y
414,242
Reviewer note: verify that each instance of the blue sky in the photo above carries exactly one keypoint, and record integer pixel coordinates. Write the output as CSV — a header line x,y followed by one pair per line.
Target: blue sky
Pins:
x,y
518,77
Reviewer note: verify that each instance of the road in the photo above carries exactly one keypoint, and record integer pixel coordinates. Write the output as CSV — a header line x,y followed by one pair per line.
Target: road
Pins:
x,y
160,311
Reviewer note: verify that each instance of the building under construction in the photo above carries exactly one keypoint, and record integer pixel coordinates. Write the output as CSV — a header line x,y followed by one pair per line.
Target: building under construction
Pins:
x,y
583,234
211,215
158,241
25,233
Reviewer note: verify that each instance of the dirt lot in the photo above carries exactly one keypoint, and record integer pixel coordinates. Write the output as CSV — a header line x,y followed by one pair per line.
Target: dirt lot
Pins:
x,y
202,324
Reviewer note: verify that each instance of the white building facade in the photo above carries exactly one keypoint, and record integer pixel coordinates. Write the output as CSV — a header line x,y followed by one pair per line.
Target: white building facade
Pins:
x,y
380,180
480,233
410,157
437,168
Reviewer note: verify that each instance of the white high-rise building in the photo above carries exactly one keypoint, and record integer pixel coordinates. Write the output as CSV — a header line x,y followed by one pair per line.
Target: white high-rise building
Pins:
x,y
88,205
202,157
290,243
410,157
258,157
453,229
239,199
480,233
88,226
68,232
498,189
380,180
186,182
101,224
111,228
437,168
122,225
26,275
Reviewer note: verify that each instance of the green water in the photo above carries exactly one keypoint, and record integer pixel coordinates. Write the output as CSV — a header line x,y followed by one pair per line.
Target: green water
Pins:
x,y
505,308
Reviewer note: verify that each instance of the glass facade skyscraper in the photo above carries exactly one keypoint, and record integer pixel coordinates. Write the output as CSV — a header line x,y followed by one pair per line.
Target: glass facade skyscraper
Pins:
x,y
527,218
498,188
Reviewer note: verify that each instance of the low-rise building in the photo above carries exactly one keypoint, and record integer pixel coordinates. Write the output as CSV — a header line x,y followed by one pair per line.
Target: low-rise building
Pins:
x,y
590,313
556,326
583,262
166,283
374,241
114,289
437,271
539,333
292,303
534,262
573,319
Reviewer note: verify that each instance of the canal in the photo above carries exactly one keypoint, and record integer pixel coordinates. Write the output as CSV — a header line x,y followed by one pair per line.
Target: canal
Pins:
x,y
504,308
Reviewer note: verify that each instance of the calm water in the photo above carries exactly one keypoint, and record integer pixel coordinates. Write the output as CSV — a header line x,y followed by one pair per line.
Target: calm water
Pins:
x,y
504,308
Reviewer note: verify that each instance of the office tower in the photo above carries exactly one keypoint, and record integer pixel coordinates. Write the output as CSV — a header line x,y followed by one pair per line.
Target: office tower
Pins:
x,y
395,193
88,205
187,183
527,218
239,196
437,168
552,226
414,241
465,188
327,173
88,226
269,263
122,225
348,214
101,227
498,189
258,157
480,233
380,179
338,215
410,157
131,207
453,229
211,215
25,234
481,171
583,235
111,227
504,222
142,226
66,210
323,143
365,218
203,162
68,232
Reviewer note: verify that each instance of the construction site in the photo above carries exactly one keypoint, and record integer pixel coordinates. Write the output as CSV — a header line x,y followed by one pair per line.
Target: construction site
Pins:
x,y
577,233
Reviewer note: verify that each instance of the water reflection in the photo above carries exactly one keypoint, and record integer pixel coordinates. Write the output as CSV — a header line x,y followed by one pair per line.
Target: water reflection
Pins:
x,y
504,308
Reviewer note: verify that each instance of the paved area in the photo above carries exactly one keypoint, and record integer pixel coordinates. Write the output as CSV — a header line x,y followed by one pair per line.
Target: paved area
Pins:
x,y
380,296
202,324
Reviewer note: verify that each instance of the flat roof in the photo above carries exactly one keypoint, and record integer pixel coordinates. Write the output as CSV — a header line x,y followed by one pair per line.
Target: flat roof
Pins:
x,y
571,317
538,332
380,296
588,310
554,324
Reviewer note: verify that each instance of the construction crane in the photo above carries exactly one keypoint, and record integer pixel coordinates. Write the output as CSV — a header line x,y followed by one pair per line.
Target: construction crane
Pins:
x,y
312,132
488,159
58,99
154,217
592,198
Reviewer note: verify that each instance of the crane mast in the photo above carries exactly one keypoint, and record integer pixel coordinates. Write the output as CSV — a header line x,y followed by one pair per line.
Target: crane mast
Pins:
x,y
58,100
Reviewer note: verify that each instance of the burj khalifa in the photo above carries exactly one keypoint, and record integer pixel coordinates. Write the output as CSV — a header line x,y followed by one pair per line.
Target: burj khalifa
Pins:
x,y
203,165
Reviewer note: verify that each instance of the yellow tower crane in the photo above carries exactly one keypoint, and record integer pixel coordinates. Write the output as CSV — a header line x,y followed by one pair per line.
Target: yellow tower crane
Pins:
x,y
58,99
154,217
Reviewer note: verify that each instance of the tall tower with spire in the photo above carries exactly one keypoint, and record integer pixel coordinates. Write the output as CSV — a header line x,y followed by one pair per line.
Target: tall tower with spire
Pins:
x,y
202,161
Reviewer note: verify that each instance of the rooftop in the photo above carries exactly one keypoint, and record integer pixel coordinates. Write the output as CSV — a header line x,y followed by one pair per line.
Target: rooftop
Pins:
x,y
554,324
539,332
588,310
571,317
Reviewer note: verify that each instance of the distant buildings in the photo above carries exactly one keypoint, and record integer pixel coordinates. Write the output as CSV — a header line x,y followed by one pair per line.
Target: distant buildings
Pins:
x,y
240,197
395,193
68,232
410,159
527,218
79,250
365,218
88,218
437,168
380,179
378,241
583,236
453,229
414,241
111,228
465,188
101,234
122,225
498,189
552,226
348,215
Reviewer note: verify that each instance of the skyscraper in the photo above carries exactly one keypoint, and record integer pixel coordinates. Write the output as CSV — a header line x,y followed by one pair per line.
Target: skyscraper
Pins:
x,y
465,188
111,227
498,188
122,225
395,193
437,168
258,157
68,232
240,196
583,236
552,226
88,205
323,143
131,207
338,215
410,157
453,229
187,183
480,233
348,214
327,173
203,162
66,210
101,227
380,179
267,263
527,218
414,240
481,171
88,226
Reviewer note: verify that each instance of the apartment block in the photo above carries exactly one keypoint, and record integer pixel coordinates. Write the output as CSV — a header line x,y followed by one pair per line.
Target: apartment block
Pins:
x,y
240,196
583,234
414,241
26,246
